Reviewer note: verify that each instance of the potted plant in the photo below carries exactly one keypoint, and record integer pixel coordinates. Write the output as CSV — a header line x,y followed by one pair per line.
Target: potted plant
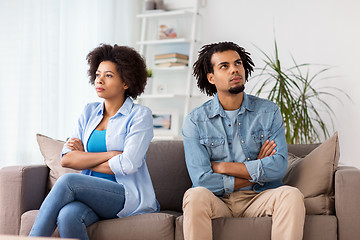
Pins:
x,y
301,104
149,82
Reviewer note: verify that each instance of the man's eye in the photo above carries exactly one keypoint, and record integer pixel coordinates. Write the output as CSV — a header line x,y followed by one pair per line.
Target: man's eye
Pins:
x,y
223,66
238,63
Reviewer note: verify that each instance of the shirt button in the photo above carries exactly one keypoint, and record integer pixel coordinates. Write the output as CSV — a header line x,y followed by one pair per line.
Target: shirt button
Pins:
x,y
249,159
229,143
242,141
239,124
262,135
229,125
127,193
212,144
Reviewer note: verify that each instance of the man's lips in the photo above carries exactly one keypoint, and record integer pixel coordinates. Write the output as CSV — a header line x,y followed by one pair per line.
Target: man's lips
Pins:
x,y
235,79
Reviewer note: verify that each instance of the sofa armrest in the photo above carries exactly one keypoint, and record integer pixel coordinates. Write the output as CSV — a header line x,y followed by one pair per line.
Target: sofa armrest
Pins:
x,y
22,188
347,195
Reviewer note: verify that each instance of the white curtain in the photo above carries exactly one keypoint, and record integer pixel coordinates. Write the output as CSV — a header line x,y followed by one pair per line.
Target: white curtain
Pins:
x,y
43,70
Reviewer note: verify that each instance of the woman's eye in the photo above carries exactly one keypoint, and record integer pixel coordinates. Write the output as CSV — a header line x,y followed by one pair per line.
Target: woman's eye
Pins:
x,y
97,75
108,75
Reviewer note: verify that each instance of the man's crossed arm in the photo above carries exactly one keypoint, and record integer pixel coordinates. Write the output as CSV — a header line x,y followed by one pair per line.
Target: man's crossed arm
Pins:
x,y
239,170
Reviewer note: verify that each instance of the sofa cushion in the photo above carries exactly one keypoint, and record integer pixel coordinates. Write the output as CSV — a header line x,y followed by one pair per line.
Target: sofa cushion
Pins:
x,y
51,151
316,227
152,226
313,176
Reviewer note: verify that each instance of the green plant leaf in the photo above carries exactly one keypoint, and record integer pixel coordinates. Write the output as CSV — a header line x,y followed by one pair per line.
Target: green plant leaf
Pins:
x,y
302,105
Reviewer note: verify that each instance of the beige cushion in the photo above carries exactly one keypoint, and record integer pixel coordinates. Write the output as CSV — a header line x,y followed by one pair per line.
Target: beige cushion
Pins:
x,y
151,226
51,151
313,176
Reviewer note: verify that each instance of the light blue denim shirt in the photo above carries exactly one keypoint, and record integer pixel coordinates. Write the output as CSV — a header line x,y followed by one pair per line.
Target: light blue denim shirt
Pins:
x,y
205,140
130,130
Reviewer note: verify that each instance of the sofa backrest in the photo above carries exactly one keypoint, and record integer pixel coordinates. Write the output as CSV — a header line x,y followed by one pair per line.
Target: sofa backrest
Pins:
x,y
301,150
167,167
170,178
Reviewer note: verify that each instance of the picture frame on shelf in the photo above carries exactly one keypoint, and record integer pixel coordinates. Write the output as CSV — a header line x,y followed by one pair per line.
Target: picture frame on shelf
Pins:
x,y
165,123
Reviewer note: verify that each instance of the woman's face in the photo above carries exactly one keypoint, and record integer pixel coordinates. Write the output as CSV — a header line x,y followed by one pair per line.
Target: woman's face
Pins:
x,y
108,83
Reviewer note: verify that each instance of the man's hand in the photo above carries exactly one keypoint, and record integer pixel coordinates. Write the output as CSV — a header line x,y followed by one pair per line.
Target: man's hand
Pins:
x,y
239,169
267,149
217,167
75,144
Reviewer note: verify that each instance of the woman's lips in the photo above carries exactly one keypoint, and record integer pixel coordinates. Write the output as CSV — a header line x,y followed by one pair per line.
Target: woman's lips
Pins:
x,y
99,89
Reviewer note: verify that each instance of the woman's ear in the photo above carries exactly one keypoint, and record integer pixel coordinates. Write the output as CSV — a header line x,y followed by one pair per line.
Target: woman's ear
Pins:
x,y
125,86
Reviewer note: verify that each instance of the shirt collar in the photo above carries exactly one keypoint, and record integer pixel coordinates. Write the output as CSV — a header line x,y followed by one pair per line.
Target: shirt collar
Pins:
x,y
124,110
217,109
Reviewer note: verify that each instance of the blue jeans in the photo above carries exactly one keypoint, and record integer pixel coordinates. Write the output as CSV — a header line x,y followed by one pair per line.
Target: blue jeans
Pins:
x,y
75,202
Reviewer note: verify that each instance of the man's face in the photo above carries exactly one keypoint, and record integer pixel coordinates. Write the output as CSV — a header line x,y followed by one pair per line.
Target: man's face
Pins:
x,y
229,72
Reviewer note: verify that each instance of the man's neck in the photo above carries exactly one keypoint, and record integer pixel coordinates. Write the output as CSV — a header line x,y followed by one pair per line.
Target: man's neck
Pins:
x,y
231,102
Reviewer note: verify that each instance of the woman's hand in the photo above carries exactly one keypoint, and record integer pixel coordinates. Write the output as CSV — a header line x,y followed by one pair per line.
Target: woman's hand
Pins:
x,y
75,144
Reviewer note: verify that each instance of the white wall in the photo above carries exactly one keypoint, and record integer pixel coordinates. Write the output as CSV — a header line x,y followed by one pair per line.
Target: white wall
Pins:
x,y
321,31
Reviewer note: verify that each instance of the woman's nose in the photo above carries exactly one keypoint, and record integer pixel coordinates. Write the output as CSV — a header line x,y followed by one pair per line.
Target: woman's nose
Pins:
x,y
99,80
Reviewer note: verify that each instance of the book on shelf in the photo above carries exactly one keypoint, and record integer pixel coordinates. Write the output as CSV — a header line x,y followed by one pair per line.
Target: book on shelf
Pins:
x,y
171,64
176,60
171,55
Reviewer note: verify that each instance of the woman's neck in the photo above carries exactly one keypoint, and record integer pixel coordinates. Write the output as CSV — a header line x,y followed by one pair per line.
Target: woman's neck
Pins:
x,y
112,106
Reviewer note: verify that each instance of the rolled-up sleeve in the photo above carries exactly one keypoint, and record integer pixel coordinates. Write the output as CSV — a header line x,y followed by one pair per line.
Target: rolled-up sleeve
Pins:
x,y
273,167
136,144
199,165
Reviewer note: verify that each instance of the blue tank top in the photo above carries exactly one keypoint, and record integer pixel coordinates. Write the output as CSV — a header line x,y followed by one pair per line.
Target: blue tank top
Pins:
x,y
97,143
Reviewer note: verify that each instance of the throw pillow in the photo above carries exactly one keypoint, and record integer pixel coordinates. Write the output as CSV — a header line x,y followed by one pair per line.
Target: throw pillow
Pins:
x,y
313,176
51,151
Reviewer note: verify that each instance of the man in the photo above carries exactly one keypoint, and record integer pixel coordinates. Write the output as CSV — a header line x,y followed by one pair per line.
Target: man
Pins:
x,y
235,151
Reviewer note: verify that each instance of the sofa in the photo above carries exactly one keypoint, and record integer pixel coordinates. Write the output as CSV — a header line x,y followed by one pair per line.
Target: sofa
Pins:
x,y
23,188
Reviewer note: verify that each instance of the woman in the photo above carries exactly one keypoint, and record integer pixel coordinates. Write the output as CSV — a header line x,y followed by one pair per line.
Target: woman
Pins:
x,y
109,146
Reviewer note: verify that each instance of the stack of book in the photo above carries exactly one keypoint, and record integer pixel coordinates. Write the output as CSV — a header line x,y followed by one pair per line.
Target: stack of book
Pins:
x,y
171,59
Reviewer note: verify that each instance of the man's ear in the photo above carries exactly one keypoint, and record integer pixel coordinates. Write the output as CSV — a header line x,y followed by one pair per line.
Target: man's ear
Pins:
x,y
210,77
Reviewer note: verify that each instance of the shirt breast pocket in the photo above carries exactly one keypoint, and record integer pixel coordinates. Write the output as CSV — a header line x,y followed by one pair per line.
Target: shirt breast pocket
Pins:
x,y
260,136
215,147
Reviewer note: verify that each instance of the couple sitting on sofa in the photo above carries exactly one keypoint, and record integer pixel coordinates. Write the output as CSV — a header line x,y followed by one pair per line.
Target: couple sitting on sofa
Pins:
x,y
111,140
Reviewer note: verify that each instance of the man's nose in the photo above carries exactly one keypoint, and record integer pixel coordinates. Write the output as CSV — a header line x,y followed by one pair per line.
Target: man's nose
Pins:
x,y
234,69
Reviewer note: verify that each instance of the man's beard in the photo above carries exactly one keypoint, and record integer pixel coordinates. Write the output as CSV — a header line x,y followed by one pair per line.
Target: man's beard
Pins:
x,y
237,89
